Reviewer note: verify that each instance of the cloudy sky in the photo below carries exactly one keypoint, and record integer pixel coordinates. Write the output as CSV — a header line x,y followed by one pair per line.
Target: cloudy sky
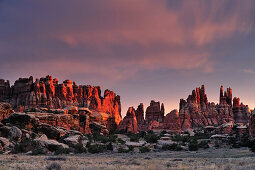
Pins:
x,y
141,49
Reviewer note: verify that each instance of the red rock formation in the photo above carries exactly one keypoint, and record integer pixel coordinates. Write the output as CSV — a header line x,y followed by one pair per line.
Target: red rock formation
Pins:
x,y
154,112
47,93
172,122
240,112
129,123
140,113
227,97
252,124
5,89
5,110
196,112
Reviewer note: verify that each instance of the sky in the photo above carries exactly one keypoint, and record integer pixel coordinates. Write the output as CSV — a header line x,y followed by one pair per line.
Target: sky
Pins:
x,y
141,49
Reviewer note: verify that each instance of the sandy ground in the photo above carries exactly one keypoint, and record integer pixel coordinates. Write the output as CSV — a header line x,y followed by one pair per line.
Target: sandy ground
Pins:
x,y
203,159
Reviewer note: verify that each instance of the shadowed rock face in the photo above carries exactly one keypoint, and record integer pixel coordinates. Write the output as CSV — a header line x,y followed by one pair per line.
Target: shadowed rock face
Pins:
x,y
195,113
47,92
155,112
129,123
172,122
5,110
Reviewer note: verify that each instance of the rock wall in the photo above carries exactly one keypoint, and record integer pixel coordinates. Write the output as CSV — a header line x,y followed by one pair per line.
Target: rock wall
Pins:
x,y
5,110
196,112
129,123
47,92
155,112
252,124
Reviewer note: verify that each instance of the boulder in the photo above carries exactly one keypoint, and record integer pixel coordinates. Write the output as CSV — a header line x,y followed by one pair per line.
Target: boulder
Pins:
x,y
98,127
4,143
72,140
51,145
136,144
50,131
15,134
54,145
22,120
5,110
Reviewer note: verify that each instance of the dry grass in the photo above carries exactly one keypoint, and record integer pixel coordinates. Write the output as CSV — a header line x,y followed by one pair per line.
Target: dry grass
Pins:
x,y
207,159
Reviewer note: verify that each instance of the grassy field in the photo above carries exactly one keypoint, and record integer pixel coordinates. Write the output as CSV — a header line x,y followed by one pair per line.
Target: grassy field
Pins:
x,y
204,159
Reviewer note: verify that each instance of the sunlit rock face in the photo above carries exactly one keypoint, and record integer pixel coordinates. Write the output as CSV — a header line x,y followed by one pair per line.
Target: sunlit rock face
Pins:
x,y
47,92
196,112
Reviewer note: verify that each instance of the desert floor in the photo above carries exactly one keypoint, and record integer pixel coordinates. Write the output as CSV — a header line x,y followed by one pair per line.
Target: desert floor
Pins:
x,y
204,159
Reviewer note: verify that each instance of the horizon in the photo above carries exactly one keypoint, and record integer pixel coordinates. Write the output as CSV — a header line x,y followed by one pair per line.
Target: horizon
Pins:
x,y
146,103
143,51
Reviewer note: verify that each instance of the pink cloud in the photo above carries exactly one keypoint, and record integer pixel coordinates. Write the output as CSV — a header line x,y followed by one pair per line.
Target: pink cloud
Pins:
x,y
152,34
149,23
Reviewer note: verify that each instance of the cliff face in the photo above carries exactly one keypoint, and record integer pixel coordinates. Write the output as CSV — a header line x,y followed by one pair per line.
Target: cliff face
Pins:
x,y
129,123
155,112
47,92
197,112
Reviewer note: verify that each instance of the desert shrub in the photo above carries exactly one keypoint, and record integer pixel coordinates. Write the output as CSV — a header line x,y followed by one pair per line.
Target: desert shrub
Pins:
x,y
244,141
236,145
252,148
179,138
61,150
216,144
134,137
150,131
22,146
231,140
37,151
142,134
202,136
100,138
32,110
112,138
109,146
131,148
78,148
144,149
122,150
151,138
172,147
162,133
55,158
203,144
251,145
90,137
121,141
53,166
122,131
193,145
96,148
166,147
